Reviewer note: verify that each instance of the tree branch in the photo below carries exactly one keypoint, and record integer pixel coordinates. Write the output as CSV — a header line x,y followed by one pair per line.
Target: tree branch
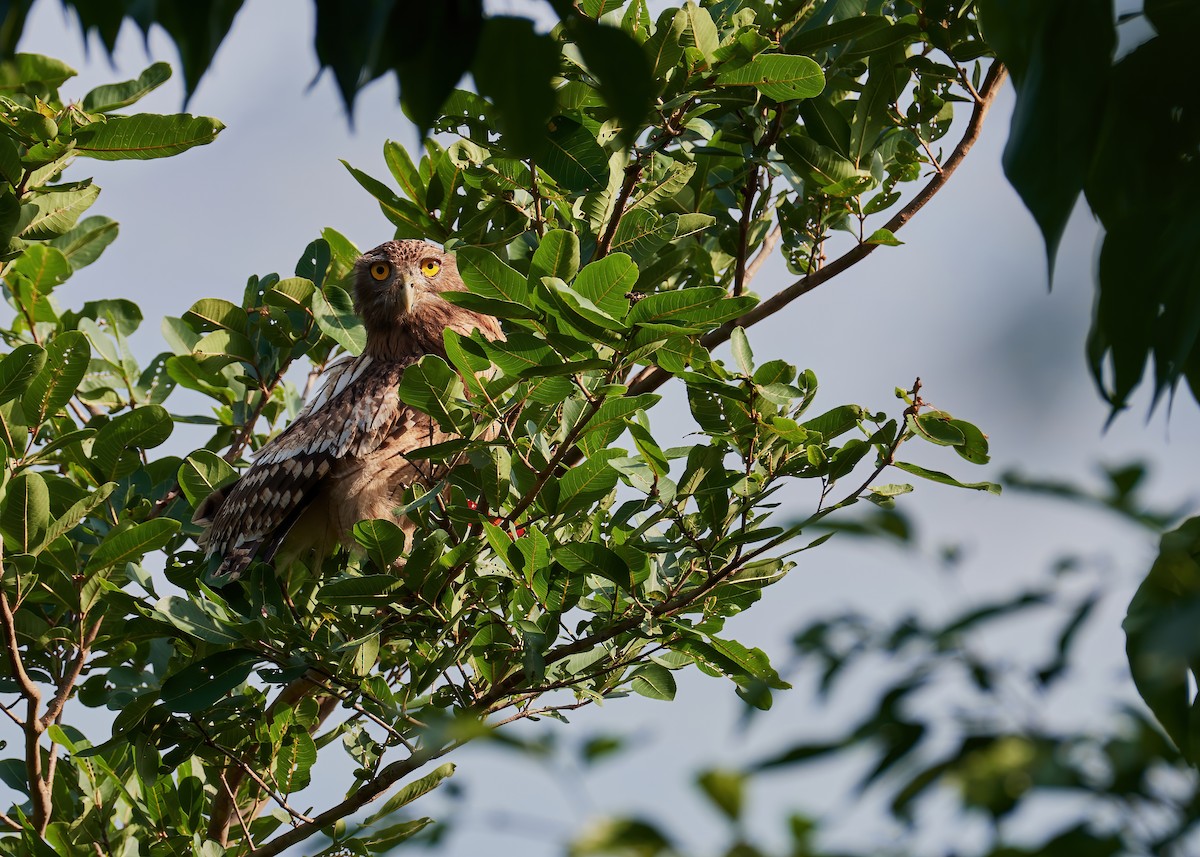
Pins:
x,y
39,789
370,790
764,253
632,173
67,684
652,377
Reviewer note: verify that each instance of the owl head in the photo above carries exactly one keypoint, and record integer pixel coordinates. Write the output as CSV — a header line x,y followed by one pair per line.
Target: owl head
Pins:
x,y
397,293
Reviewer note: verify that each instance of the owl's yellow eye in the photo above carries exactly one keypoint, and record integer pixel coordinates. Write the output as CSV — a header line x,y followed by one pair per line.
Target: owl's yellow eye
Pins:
x,y
380,270
430,267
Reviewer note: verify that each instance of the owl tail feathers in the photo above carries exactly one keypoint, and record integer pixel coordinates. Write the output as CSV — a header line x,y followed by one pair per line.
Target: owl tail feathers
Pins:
x,y
232,565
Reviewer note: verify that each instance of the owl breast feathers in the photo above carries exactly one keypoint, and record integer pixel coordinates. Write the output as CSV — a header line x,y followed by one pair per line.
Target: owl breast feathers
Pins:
x,y
345,458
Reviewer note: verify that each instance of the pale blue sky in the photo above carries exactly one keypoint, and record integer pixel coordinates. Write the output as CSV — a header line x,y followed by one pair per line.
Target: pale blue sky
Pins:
x,y
963,303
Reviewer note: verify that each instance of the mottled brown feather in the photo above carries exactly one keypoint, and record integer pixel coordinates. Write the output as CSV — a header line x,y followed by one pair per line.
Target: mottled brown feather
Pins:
x,y
345,457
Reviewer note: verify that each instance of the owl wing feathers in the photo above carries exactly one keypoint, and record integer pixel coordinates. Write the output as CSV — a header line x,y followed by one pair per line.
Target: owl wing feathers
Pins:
x,y
355,411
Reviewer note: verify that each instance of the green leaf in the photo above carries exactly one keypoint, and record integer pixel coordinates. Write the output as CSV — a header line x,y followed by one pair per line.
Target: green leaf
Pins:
x,y
334,313
365,591
974,447
836,422
586,483
641,233
664,48
654,681
199,685
490,306
190,618
113,96
946,479
145,135
412,791
557,255
294,762
779,76
701,32
936,427
410,220
222,347
44,266
578,311
742,354
132,543
291,293
115,449
573,158
78,511
25,512
609,421
883,236
886,78
18,368
679,305
1160,635
433,388
825,167
381,841
651,452
584,558
10,162
732,659
23,68
202,473
485,275
67,357
48,215
216,312
83,244
607,281
383,541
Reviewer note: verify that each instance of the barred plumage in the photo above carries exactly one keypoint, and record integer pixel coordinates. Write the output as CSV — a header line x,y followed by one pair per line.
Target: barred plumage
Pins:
x,y
345,457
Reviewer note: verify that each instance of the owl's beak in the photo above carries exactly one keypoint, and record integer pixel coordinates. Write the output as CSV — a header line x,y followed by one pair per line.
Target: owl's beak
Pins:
x,y
408,294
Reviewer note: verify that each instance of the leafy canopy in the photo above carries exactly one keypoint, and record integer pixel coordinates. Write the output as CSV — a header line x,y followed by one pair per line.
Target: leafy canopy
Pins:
x,y
575,556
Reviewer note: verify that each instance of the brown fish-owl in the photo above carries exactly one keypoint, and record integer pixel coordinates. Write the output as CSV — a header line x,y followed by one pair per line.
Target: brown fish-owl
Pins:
x,y
345,457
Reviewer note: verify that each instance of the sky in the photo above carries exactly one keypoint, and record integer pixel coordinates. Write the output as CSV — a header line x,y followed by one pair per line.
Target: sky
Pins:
x,y
963,303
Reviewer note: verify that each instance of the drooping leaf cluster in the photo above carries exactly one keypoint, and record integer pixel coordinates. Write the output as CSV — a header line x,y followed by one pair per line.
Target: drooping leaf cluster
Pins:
x,y
1122,130
565,551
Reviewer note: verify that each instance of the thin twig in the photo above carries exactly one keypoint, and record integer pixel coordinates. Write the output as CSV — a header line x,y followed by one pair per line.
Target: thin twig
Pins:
x,y
534,712
7,709
652,377
233,800
10,823
889,458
